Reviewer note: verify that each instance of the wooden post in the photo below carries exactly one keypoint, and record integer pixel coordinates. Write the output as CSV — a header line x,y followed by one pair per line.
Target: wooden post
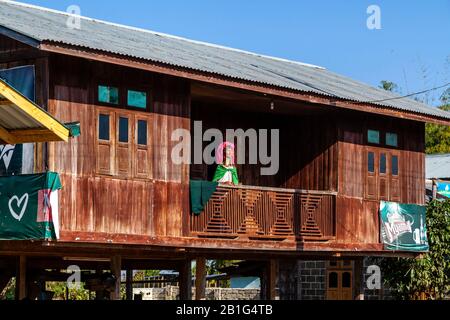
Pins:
x,y
185,280
99,293
359,279
116,268
269,283
434,188
200,279
129,284
21,279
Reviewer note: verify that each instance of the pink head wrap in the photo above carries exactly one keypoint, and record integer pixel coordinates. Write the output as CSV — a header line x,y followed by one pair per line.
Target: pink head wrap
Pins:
x,y
220,149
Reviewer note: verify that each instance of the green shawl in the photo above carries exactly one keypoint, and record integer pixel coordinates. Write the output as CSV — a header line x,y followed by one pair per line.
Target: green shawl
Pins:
x,y
222,170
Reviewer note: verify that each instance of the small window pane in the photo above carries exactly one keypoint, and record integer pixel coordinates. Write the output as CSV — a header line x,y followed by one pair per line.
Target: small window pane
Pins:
x,y
333,280
391,139
108,94
373,136
103,127
137,99
333,263
346,280
395,165
383,163
123,129
371,162
142,132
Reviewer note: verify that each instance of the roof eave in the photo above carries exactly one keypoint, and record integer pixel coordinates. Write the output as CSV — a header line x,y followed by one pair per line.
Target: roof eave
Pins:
x,y
35,43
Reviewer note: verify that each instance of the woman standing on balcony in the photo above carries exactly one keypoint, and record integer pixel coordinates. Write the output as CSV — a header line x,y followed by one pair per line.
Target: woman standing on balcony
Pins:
x,y
226,171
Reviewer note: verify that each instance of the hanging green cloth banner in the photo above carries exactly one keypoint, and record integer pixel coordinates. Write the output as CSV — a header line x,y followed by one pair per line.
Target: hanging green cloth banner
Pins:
x,y
29,207
201,192
403,227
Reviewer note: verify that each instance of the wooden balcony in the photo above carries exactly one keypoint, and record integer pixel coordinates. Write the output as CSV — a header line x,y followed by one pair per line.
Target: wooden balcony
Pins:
x,y
260,213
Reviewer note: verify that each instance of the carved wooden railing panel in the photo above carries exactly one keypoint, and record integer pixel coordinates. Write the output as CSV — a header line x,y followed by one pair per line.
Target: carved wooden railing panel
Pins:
x,y
266,213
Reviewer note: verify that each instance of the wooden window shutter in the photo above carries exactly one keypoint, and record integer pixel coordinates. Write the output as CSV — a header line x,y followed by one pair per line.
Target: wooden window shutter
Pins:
x,y
383,178
371,173
395,172
124,140
142,150
105,141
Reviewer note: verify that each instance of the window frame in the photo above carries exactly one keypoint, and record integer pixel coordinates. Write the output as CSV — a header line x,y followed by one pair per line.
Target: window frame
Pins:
x,y
123,95
145,149
111,85
108,114
102,144
380,135
374,160
398,139
146,134
386,164
147,98
396,155
129,136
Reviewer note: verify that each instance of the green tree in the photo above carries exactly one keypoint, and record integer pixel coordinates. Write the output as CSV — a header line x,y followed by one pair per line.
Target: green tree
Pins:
x,y
9,291
388,86
437,137
428,276
445,97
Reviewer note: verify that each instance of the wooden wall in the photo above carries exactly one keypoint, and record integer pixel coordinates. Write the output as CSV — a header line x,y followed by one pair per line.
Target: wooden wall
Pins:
x,y
357,213
113,203
307,152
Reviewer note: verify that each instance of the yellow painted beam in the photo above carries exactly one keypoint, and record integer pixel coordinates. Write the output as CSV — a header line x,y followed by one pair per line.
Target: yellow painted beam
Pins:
x,y
33,135
31,139
6,136
46,120
28,132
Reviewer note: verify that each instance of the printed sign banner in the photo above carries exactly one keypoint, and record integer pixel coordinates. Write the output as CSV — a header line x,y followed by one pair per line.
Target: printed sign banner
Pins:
x,y
29,207
443,188
403,227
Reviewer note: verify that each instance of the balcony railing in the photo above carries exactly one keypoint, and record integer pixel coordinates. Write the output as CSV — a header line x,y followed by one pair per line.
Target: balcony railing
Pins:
x,y
260,213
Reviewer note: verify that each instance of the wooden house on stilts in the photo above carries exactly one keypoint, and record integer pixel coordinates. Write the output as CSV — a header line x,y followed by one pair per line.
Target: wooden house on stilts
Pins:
x,y
345,151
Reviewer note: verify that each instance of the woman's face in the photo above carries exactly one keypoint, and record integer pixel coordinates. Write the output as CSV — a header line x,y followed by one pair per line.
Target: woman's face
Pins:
x,y
228,153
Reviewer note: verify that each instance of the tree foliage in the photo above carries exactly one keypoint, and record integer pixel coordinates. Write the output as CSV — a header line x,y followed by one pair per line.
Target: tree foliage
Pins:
x,y
429,276
8,292
437,138
388,86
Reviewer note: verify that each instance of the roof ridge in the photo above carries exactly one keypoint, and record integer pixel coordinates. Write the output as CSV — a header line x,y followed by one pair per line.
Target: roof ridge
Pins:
x,y
26,5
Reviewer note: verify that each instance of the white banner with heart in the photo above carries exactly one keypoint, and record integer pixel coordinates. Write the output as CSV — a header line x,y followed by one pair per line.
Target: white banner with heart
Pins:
x,y
22,205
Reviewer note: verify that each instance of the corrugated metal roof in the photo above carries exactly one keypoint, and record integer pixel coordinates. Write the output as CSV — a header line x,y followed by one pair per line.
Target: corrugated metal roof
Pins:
x,y
43,24
437,166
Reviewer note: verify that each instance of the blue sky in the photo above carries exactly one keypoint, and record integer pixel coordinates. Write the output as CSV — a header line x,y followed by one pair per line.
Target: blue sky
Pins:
x,y
412,48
